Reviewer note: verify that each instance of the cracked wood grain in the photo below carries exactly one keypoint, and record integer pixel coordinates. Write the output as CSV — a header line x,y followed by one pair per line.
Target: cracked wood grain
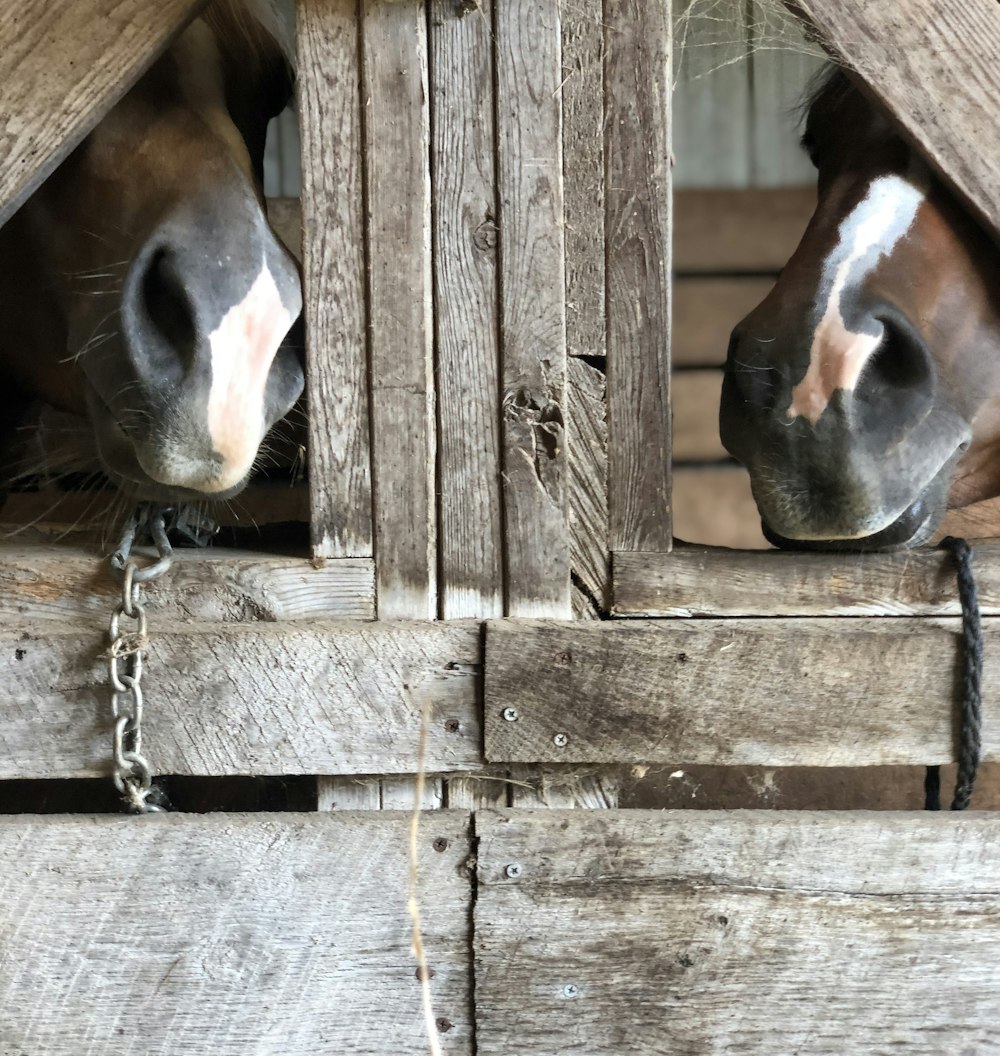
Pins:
x,y
533,308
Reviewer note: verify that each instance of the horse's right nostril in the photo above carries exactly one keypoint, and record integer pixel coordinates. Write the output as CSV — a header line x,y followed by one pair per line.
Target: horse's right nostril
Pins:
x,y
902,360
166,303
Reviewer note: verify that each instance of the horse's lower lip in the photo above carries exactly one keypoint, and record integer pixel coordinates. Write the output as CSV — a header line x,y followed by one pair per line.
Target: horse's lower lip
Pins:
x,y
913,527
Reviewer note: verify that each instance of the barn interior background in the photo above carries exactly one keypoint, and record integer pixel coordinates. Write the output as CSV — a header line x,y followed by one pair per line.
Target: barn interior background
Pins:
x,y
472,469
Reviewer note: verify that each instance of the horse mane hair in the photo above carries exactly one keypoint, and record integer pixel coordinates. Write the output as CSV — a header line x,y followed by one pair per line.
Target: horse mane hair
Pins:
x,y
251,30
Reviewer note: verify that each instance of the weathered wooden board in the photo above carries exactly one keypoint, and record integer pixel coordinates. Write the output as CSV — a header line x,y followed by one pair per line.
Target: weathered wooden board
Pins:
x,y
463,178
68,584
397,170
334,277
230,935
934,65
323,698
739,932
696,581
63,65
582,96
804,692
587,434
533,307
705,311
696,397
751,231
637,234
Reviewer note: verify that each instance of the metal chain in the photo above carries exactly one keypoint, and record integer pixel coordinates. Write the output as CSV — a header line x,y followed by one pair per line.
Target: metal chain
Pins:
x,y
131,772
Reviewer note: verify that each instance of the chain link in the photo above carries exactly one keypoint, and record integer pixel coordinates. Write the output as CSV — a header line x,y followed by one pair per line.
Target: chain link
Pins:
x,y
131,772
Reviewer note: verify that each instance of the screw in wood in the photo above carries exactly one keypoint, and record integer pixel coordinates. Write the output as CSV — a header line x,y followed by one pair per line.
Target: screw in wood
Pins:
x,y
440,844
510,714
571,990
560,740
514,870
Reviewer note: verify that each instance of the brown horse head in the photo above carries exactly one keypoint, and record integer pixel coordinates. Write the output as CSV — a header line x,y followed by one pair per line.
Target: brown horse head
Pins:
x,y
866,386
147,290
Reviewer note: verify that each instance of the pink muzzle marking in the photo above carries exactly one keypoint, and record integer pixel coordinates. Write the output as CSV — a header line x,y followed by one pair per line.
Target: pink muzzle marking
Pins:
x,y
243,348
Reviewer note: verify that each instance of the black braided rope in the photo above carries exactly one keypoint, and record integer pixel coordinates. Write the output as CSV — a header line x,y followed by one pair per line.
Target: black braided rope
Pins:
x,y
971,720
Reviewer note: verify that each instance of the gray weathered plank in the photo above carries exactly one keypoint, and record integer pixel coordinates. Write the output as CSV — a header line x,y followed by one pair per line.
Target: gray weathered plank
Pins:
x,y
695,581
533,307
397,170
804,692
637,233
334,277
230,935
319,698
736,932
69,584
935,65
711,131
466,301
582,96
63,65
587,437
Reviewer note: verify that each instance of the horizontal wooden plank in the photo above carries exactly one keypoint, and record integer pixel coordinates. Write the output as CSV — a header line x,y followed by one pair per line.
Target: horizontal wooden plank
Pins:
x,y
732,933
70,584
934,66
696,396
63,65
696,581
809,692
230,935
705,310
319,698
752,230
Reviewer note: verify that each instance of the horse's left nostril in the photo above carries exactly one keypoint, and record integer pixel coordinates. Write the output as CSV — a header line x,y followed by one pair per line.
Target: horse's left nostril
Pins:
x,y
167,306
902,360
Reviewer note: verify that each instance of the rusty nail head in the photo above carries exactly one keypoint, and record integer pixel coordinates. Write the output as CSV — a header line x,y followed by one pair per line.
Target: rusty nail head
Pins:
x,y
560,740
514,870
571,990
510,714
440,844
444,1025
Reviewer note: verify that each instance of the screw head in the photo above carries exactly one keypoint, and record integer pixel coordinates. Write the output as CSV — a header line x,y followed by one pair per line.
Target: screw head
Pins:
x,y
440,844
560,740
513,871
453,725
510,714
571,990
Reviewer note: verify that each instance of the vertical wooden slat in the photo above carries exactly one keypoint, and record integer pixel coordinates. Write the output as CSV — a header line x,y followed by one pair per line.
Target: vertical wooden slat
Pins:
x,y
637,232
397,147
467,326
333,265
533,306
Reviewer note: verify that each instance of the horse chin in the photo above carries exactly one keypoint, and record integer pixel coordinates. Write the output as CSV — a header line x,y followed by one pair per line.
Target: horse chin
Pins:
x,y
912,528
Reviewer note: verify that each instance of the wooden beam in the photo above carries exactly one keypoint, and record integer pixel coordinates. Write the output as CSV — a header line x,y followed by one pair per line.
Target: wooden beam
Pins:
x,y
753,231
463,178
805,692
68,584
647,932
401,359
637,76
533,307
696,398
63,65
318,698
934,65
230,934
329,98
699,581
705,311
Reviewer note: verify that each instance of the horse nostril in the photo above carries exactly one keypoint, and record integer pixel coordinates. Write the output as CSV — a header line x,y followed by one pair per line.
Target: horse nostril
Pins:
x,y
901,360
166,303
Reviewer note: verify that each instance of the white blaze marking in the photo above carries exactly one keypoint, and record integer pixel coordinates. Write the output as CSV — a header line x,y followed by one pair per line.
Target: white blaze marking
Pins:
x,y
243,348
838,355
